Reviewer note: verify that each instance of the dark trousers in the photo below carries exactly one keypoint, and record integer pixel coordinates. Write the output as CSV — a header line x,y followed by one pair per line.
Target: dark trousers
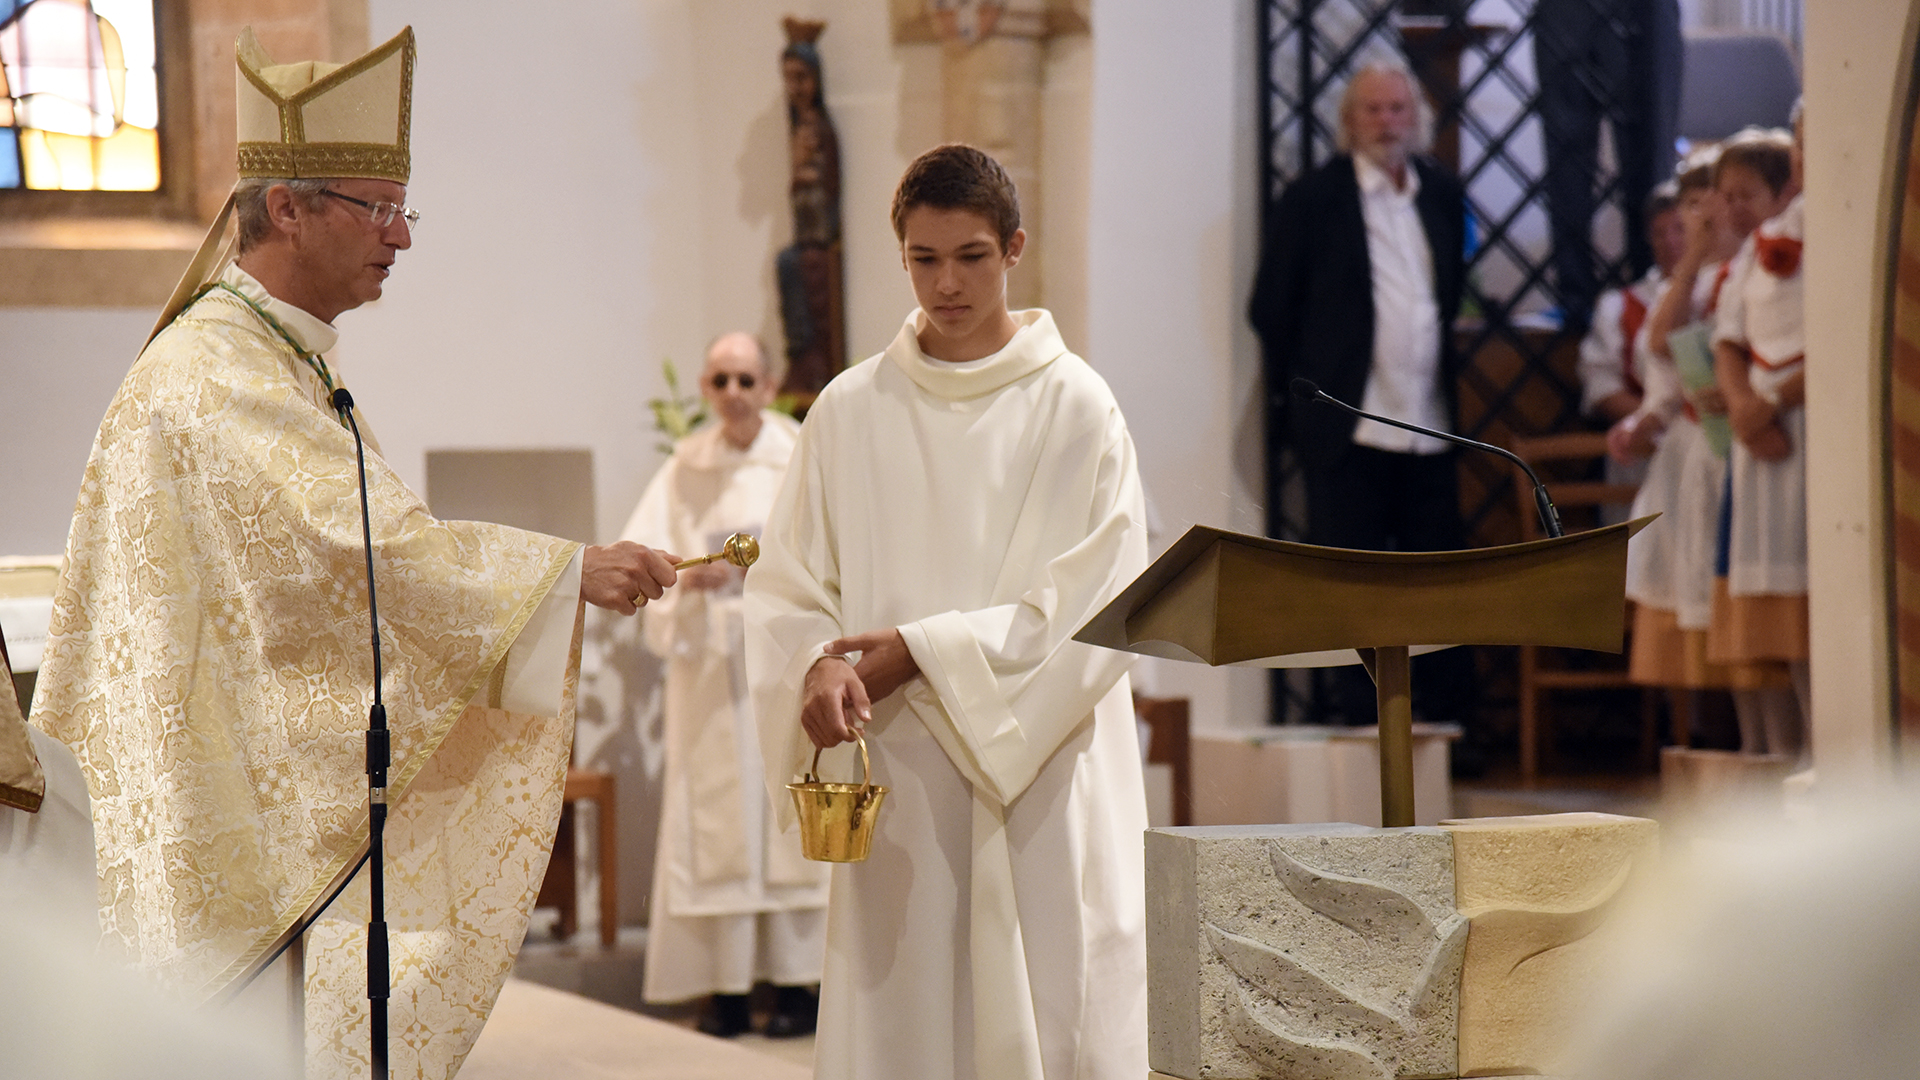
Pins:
x,y
1617,60
1375,500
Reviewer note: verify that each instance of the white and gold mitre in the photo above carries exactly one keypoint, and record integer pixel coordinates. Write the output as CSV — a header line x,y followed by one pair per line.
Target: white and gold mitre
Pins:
x,y
315,119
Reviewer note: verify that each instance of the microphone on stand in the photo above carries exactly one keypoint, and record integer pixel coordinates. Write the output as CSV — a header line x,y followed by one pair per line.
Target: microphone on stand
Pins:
x,y
379,758
1305,390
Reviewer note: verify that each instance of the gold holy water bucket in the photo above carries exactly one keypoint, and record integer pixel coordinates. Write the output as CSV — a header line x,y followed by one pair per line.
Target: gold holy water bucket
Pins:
x,y
836,820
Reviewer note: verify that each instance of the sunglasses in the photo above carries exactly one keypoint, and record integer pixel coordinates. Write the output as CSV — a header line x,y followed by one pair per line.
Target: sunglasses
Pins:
x,y
719,381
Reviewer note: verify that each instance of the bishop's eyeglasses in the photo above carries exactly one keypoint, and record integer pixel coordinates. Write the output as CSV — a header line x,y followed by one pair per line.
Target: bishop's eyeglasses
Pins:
x,y
382,213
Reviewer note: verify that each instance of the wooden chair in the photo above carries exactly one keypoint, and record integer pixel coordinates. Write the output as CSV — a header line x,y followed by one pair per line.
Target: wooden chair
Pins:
x,y
1170,744
561,888
1539,675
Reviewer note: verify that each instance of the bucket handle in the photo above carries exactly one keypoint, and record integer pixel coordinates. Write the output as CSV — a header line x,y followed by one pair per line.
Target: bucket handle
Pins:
x,y
866,768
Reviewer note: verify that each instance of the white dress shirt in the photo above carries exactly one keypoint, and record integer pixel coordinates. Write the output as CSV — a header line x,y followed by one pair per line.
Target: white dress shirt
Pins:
x,y
1404,381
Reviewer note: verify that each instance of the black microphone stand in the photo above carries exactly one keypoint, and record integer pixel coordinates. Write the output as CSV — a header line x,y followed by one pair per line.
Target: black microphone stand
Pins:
x,y
1305,390
379,758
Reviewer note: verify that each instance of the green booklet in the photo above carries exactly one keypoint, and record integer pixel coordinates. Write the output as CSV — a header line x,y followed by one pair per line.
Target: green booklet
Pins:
x,y
1692,350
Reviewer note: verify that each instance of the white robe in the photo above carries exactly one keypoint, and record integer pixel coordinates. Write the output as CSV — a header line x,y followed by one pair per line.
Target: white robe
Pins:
x,y
721,861
987,509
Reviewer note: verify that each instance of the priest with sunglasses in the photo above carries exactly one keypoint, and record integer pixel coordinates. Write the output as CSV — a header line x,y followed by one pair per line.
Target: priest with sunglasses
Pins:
x,y
734,903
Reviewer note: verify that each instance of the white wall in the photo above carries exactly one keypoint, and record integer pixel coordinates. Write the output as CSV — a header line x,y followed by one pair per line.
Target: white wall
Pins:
x,y
1854,53
1173,238
58,370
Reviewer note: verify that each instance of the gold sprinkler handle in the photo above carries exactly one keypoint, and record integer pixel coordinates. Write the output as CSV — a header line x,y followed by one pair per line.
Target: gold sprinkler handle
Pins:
x,y
740,549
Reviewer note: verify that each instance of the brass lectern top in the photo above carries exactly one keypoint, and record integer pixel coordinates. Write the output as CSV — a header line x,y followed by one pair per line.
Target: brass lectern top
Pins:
x,y
1217,597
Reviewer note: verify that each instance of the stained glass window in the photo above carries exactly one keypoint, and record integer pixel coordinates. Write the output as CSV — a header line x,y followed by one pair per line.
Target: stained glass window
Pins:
x,y
79,95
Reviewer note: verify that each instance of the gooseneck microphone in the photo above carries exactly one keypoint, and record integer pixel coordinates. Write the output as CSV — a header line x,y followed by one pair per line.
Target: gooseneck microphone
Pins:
x,y
1305,390
379,758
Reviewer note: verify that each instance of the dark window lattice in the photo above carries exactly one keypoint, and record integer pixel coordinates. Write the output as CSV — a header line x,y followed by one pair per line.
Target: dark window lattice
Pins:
x,y
1520,378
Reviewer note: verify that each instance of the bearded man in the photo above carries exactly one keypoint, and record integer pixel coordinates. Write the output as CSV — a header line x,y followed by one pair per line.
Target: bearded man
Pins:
x,y
1361,275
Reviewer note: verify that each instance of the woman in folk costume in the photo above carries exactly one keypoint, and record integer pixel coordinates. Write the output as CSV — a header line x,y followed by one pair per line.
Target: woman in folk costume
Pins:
x,y
734,903
1760,605
1613,362
1611,365
958,506
209,659
1670,567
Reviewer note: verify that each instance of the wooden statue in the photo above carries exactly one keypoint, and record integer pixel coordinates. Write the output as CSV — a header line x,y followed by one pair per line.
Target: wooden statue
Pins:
x,y
812,305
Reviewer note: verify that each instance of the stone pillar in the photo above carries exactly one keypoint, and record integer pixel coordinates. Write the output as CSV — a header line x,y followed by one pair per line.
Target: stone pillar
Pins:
x,y
990,98
992,70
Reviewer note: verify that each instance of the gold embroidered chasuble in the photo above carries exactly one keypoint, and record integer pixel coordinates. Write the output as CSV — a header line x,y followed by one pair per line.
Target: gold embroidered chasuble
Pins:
x,y
210,665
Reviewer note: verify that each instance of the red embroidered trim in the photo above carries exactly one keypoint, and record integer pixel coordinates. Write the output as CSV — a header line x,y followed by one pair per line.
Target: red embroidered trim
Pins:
x,y
1633,313
1771,366
1778,255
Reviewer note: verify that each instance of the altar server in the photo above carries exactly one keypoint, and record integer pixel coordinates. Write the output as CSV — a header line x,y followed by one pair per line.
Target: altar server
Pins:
x,y
958,506
734,902
209,660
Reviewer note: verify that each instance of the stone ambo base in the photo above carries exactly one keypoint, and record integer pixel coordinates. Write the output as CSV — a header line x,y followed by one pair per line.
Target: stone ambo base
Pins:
x,y
1354,953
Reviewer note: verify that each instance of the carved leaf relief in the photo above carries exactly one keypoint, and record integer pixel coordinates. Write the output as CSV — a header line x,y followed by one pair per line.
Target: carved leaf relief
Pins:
x,y
1299,1020
1262,1031
1282,978
1442,967
1365,907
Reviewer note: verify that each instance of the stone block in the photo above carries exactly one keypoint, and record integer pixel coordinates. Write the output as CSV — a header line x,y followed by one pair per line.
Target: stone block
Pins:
x,y
1536,890
1331,951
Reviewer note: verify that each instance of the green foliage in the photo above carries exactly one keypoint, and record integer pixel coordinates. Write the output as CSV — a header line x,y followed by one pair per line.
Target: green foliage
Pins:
x,y
676,415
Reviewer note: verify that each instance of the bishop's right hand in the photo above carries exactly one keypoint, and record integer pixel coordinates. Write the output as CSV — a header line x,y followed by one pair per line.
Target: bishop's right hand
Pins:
x,y
833,704
622,577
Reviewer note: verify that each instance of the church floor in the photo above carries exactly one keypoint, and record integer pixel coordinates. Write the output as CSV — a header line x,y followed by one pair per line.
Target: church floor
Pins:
x,y
631,1041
